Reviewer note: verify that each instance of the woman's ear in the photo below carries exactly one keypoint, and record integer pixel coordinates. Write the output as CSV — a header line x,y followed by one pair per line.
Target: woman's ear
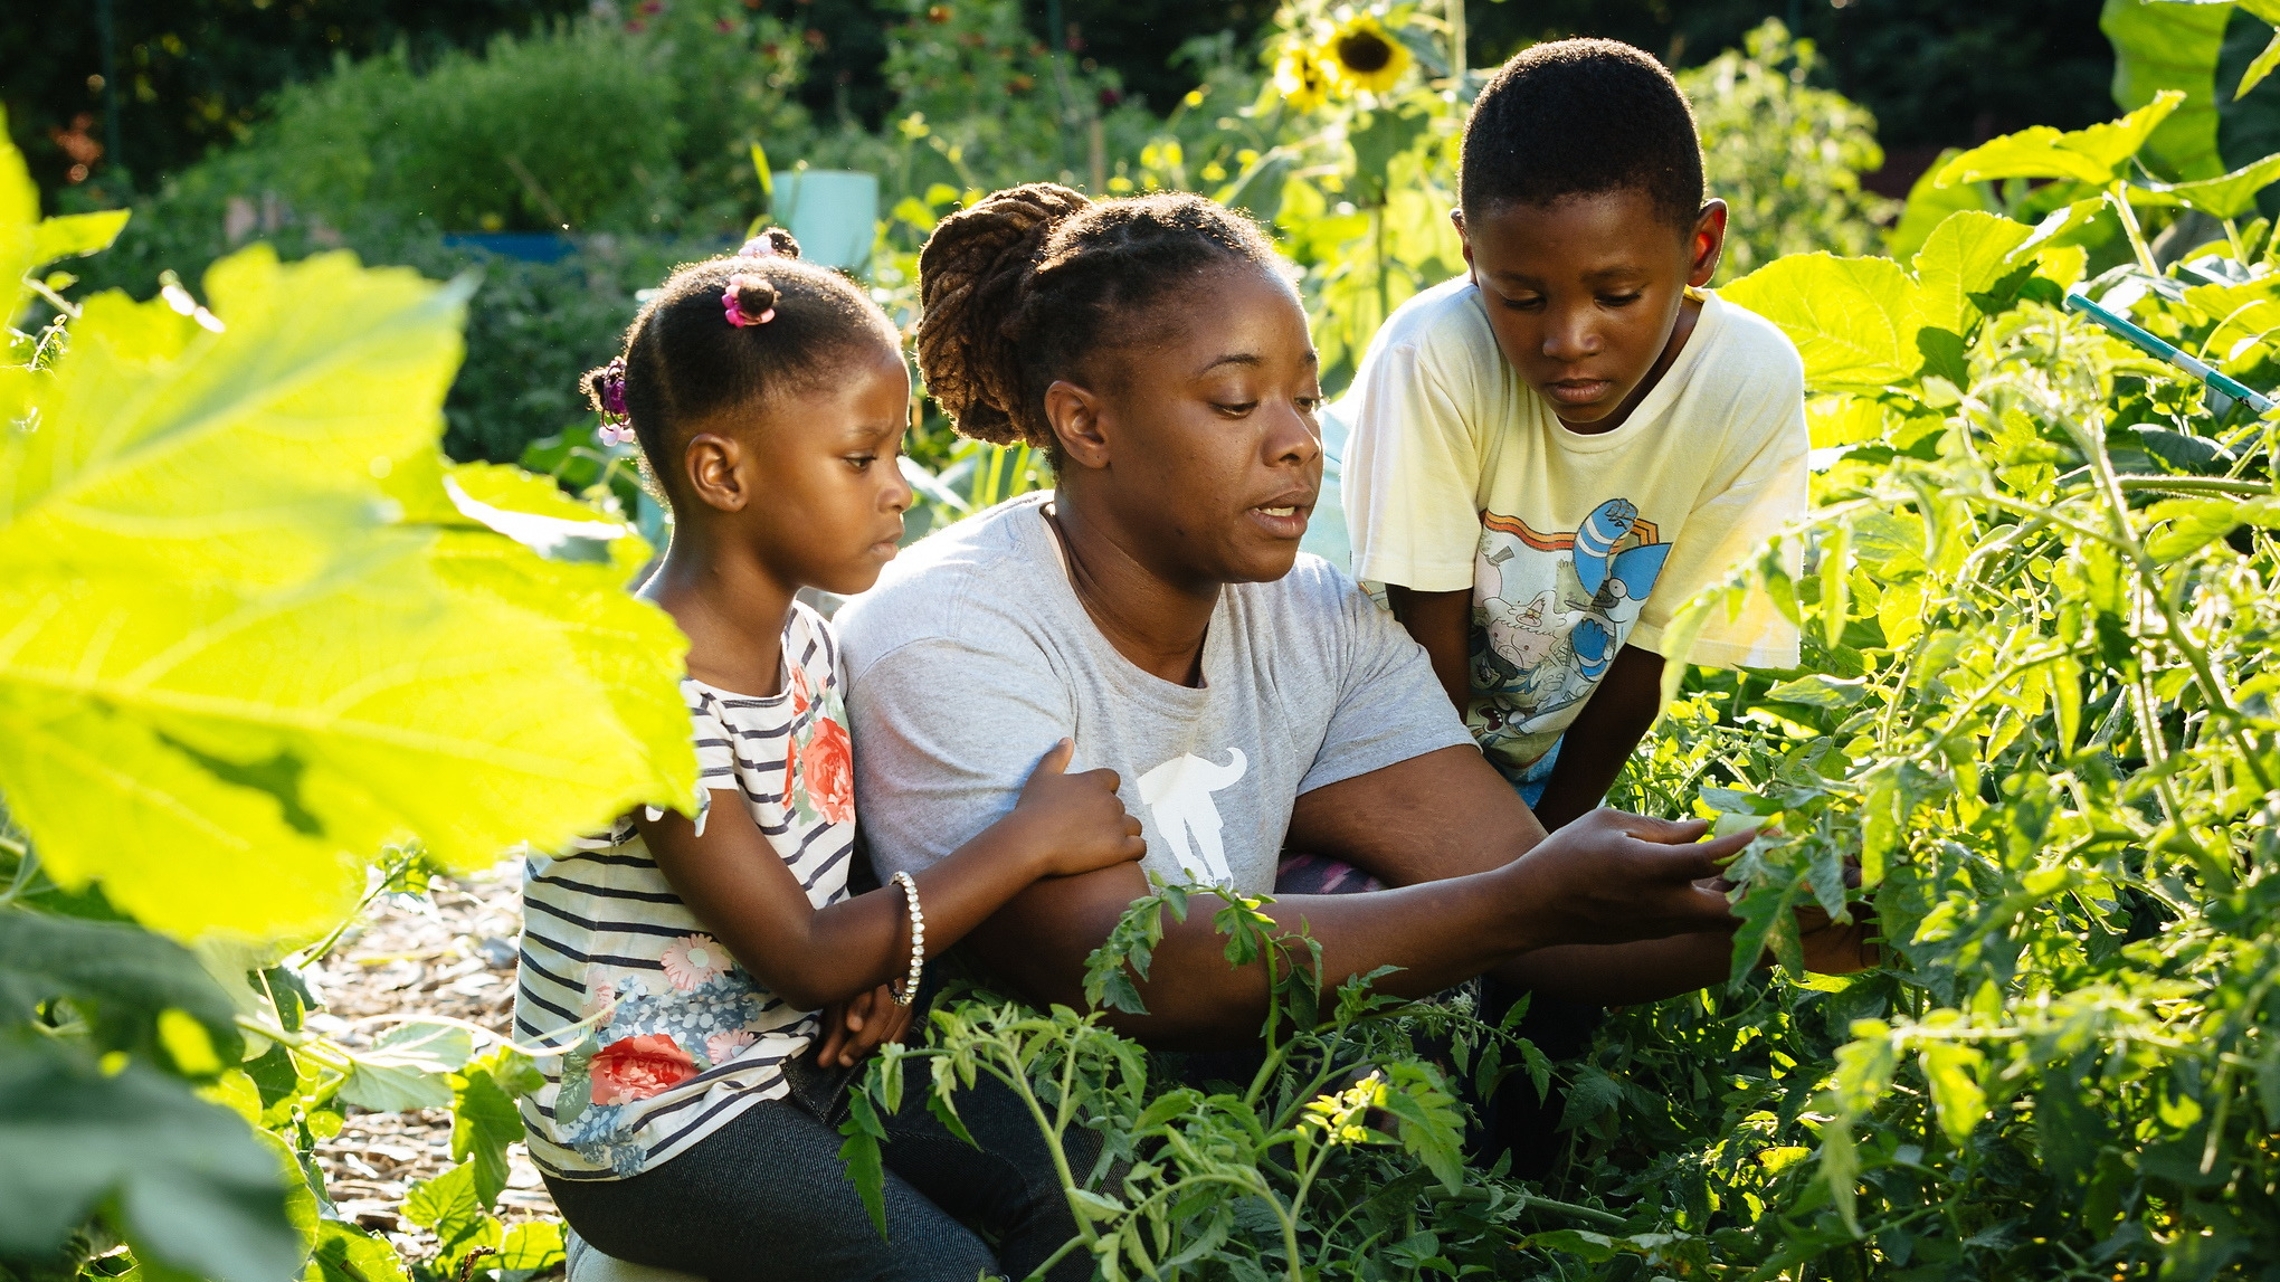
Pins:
x,y
1706,244
1075,413
711,462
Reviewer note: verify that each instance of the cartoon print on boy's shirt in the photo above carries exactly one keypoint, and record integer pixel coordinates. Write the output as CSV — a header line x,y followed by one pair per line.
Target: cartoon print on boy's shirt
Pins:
x,y
1549,613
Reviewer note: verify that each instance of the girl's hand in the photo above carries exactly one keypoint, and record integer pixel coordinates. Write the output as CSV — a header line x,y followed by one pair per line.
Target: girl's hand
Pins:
x,y
1070,824
852,1029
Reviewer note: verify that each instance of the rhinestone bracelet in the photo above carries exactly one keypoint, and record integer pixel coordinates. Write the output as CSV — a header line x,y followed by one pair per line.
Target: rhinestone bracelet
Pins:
x,y
908,993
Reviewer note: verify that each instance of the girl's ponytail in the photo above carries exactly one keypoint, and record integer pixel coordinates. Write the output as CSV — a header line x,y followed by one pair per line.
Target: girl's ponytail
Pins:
x,y
732,332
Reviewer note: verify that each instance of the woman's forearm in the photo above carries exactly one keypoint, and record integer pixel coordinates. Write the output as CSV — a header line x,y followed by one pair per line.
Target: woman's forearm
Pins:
x,y
1438,933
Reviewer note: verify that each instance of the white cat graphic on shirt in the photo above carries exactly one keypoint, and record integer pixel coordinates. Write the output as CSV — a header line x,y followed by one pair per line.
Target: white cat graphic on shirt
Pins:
x,y
1178,796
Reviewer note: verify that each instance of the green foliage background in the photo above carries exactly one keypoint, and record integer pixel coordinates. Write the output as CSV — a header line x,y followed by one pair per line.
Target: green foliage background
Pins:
x,y
2035,705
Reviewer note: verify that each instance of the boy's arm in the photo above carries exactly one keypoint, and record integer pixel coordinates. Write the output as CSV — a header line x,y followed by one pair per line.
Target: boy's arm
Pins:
x,y
1602,737
1441,622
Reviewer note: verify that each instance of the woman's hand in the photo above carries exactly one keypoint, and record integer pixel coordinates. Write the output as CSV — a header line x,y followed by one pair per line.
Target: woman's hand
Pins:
x,y
852,1029
1070,824
1613,877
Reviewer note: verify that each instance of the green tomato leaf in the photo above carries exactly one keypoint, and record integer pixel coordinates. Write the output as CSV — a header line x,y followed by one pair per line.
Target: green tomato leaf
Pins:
x,y
221,697
860,1152
1952,1071
1427,1119
1854,320
532,1246
2260,67
193,1189
485,1119
2192,524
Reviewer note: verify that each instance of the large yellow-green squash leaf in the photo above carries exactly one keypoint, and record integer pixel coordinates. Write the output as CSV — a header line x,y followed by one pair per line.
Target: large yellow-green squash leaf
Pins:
x,y
1964,255
2096,155
1854,320
27,242
2165,46
249,636
19,216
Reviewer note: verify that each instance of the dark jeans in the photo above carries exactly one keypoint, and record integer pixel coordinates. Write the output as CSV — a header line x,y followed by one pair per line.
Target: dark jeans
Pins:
x,y
767,1197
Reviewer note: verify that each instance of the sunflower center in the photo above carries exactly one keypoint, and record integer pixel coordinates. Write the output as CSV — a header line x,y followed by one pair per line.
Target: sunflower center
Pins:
x,y
1364,52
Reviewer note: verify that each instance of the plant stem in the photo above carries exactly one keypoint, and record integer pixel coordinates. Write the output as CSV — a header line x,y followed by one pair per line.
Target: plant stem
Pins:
x,y
2118,196
27,865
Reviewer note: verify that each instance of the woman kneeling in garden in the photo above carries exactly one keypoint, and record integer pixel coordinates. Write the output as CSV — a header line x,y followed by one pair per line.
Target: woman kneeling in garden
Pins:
x,y
692,1129
1155,608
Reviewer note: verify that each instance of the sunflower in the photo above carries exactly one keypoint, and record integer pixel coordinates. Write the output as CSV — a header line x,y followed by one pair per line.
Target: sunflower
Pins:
x,y
1301,78
1360,55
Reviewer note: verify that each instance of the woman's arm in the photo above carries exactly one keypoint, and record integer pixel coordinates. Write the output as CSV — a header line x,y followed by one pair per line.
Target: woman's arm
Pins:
x,y
1466,902
733,880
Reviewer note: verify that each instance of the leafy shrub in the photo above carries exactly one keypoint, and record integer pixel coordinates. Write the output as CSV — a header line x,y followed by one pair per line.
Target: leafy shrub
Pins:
x,y
587,123
1786,157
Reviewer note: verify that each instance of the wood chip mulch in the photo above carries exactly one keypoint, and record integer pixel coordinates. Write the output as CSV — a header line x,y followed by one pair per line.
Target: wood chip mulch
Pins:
x,y
451,953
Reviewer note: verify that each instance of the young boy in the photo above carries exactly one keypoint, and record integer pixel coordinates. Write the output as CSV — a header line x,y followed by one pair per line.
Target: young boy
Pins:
x,y
1551,454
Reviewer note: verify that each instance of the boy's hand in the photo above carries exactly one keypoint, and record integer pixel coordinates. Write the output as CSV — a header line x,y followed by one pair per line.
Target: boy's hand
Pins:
x,y
852,1029
1073,824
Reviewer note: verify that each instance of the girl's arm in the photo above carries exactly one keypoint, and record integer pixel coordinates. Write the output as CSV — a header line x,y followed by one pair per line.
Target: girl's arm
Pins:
x,y
741,889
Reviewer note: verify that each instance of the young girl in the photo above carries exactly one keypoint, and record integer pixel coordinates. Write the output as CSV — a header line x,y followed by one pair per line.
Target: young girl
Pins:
x,y
691,1129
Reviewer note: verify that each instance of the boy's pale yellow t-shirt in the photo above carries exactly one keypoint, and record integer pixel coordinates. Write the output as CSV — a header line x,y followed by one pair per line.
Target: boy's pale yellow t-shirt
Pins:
x,y
1459,474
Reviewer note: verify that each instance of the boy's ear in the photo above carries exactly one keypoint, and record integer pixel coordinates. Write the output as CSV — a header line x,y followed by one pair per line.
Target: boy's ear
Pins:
x,y
1706,244
711,464
1457,220
1075,413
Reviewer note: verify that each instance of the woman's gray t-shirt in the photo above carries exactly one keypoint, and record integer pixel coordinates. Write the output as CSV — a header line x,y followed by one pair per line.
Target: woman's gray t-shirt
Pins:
x,y
973,656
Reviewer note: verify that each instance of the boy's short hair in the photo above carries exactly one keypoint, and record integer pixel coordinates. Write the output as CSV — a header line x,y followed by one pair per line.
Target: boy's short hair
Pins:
x,y
1581,118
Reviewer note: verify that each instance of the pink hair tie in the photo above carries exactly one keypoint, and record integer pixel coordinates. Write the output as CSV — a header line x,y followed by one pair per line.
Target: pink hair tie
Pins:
x,y
617,425
732,302
760,246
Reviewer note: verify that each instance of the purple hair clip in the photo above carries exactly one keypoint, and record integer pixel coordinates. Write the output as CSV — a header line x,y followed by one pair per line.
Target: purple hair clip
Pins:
x,y
732,302
617,426
758,247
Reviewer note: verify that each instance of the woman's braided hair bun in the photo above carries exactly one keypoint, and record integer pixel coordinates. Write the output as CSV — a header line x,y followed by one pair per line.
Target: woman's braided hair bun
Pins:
x,y
971,275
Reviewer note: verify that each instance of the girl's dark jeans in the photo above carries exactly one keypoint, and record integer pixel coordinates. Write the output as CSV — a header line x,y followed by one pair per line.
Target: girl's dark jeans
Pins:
x,y
767,1197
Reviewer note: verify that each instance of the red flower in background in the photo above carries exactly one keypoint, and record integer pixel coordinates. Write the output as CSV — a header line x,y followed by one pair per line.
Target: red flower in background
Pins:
x,y
828,763
632,1068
